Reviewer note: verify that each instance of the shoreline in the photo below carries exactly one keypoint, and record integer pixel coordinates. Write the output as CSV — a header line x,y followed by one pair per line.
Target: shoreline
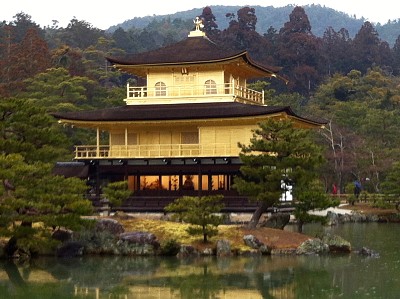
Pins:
x,y
153,234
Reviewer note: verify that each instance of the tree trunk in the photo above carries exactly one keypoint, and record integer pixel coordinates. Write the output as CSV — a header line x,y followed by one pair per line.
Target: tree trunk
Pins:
x,y
255,218
204,234
11,246
14,275
300,226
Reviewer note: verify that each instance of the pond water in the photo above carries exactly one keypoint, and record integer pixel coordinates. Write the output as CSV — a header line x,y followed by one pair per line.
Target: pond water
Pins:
x,y
343,276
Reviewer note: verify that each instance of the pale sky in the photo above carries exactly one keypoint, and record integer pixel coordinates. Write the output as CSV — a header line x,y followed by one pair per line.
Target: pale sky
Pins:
x,y
103,14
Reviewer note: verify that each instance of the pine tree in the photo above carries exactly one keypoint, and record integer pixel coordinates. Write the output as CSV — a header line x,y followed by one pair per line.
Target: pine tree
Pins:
x,y
391,185
311,196
117,192
200,212
278,151
34,202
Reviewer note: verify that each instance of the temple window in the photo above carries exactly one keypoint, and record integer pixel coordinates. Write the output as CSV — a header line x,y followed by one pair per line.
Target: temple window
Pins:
x,y
172,182
117,139
161,89
132,138
219,182
152,183
210,87
190,137
185,79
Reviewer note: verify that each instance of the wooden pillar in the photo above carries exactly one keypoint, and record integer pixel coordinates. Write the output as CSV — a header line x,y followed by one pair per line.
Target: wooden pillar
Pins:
x,y
126,170
180,181
200,180
98,142
138,181
98,191
126,141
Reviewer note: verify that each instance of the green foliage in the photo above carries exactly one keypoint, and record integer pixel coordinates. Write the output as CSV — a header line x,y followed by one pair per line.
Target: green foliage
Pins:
x,y
40,244
27,129
263,86
170,247
34,202
96,242
363,110
312,196
296,101
276,151
200,212
117,192
351,198
56,87
391,184
80,34
363,104
382,203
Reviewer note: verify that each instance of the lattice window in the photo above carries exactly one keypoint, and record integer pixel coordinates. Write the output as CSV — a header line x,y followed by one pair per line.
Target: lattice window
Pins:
x,y
190,137
210,87
161,89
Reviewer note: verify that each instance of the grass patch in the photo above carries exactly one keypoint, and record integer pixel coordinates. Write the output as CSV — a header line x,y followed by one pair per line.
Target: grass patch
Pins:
x,y
168,230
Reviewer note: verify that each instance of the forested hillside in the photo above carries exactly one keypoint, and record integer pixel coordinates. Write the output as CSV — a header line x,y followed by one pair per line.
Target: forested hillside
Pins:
x,y
321,17
351,81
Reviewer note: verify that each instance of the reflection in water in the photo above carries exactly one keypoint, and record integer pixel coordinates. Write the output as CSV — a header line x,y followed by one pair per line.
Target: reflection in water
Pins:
x,y
346,276
105,277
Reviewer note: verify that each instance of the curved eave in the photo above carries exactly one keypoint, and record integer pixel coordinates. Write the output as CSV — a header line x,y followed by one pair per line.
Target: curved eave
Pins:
x,y
303,122
177,116
257,69
116,61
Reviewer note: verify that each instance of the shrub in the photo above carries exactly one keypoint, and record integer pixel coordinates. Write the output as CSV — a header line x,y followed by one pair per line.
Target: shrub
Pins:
x,y
170,247
200,212
116,192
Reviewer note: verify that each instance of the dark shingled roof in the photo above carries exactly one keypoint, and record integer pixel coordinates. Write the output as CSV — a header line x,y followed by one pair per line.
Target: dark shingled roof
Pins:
x,y
188,51
71,169
177,112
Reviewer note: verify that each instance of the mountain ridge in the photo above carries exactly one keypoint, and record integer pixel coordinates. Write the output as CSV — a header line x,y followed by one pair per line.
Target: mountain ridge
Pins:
x,y
321,17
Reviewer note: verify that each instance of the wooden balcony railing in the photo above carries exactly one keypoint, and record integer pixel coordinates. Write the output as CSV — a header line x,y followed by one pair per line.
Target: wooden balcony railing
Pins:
x,y
137,93
155,151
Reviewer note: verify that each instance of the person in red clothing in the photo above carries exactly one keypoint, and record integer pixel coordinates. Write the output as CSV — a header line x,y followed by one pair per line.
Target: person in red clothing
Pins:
x,y
334,189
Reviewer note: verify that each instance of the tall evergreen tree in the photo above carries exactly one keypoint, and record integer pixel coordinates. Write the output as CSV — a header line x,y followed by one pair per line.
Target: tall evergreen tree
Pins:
x,y
33,203
22,23
123,41
209,22
26,129
242,35
21,60
80,34
396,57
31,56
297,52
366,47
277,152
334,52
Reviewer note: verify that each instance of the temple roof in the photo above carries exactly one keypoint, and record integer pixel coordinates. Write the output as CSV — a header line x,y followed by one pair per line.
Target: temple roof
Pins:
x,y
192,50
178,112
71,169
